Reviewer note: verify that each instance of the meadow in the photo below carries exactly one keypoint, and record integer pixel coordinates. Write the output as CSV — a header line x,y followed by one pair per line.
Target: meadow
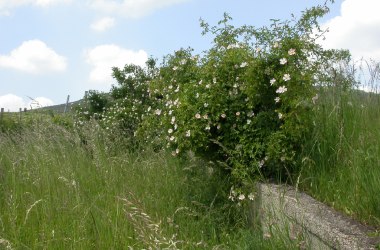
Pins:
x,y
169,158
65,188
342,162
62,189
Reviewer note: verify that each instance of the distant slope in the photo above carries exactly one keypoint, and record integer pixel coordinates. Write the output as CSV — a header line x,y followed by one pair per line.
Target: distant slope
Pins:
x,y
60,108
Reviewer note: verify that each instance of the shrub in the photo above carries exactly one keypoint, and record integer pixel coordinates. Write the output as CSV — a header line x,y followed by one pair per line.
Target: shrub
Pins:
x,y
246,101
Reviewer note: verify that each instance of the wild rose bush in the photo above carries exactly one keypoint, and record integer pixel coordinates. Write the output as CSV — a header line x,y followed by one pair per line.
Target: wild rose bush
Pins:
x,y
93,106
131,98
246,101
123,109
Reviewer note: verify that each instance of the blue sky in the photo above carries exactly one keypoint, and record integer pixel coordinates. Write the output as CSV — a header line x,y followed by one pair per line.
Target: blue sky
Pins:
x,y
53,48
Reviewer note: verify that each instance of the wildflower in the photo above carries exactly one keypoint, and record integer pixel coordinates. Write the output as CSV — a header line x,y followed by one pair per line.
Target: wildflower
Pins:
x,y
170,86
205,105
283,61
280,116
292,52
188,133
175,68
272,81
244,64
173,120
315,98
231,197
276,45
281,90
277,99
208,127
170,112
249,121
250,114
241,197
200,82
267,235
177,89
219,126
233,46
172,138
261,163
251,196
223,116
175,126
205,117
286,77
207,86
183,61
214,80
170,131
198,116
177,151
237,113
158,112
197,95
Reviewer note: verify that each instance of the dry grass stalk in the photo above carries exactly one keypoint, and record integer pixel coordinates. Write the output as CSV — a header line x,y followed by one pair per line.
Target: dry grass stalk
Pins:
x,y
148,231
6,243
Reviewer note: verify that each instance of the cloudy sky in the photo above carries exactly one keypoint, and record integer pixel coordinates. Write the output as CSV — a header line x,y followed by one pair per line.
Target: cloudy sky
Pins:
x,y
53,48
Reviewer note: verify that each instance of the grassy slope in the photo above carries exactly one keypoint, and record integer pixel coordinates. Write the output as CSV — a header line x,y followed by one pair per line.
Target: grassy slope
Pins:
x,y
62,190
58,192
345,154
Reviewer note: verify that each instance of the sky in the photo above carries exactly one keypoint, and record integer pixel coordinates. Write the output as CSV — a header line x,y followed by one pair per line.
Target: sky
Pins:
x,y
50,49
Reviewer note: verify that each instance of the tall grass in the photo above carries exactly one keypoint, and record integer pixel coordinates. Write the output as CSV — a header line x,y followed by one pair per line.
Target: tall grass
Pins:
x,y
344,154
60,189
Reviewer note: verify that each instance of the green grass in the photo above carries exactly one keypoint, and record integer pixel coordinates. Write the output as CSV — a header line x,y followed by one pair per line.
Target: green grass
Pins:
x,y
16,121
344,166
60,189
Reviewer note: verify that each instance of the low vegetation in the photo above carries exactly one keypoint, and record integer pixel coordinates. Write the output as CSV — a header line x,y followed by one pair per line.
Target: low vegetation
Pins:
x,y
169,158
62,189
342,162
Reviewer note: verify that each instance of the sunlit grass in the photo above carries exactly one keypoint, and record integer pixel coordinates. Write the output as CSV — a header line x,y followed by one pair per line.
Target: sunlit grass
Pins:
x,y
345,153
61,189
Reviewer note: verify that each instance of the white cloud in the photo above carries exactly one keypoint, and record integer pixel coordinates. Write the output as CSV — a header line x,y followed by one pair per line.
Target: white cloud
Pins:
x,y
132,8
103,24
40,102
102,58
7,5
33,56
46,3
12,102
356,29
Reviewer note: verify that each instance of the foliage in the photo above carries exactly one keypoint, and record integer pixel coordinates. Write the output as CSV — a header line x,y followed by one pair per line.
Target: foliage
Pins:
x,y
245,102
93,105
